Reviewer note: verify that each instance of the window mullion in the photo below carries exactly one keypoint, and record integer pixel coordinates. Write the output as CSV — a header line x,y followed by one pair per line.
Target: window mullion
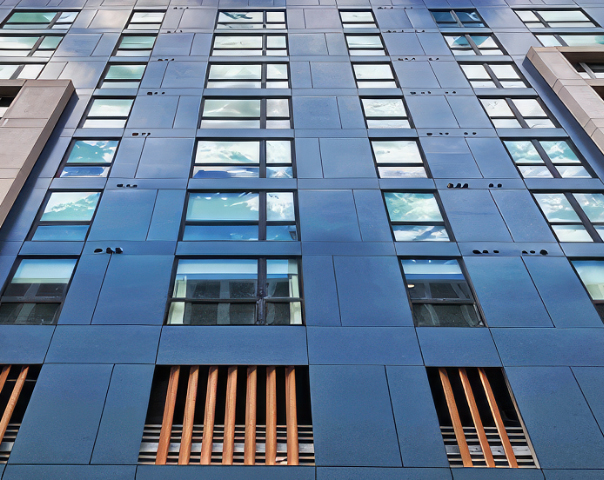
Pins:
x,y
472,44
545,157
261,215
583,216
496,81
517,113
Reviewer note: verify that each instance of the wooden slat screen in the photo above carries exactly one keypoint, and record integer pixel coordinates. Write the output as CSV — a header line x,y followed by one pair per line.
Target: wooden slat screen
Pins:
x,y
16,386
252,415
479,420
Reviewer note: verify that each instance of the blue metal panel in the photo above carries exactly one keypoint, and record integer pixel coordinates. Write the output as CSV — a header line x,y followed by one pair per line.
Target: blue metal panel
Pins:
x,y
114,222
167,214
127,157
517,43
342,421
450,76
121,429
106,45
468,111
348,473
452,165
153,112
363,346
173,44
74,45
307,44
185,74
457,347
431,112
396,18
506,292
415,75
300,74
227,472
63,415
201,44
63,472
420,17
346,157
83,74
497,17
372,216
321,18
550,346
474,216
560,425
154,74
419,436
108,19
493,160
187,114
336,45
198,18
121,301
573,474
568,306
166,157
316,112
351,115
24,344
328,216
434,44
17,224
233,345
591,381
371,292
103,344
402,44
496,474
320,294
332,75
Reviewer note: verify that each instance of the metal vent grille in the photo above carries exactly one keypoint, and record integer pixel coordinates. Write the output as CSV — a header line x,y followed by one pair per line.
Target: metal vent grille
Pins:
x,y
480,423
246,415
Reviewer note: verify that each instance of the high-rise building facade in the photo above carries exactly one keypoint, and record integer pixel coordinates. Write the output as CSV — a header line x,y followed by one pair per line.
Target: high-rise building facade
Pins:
x,y
301,239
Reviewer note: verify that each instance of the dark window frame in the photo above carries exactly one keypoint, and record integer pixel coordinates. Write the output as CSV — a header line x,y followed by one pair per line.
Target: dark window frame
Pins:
x,y
20,68
102,80
71,146
264,23
37,26
87,116
517,115
262,119
474,46
494,78
263,78
376,80
423,164
348,25
385,97
458,22
36,47
377,34
128,28
255,33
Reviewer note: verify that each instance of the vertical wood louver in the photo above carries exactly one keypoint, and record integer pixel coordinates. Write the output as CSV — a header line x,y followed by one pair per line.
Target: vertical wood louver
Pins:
x,y
479,420
16,385
229,415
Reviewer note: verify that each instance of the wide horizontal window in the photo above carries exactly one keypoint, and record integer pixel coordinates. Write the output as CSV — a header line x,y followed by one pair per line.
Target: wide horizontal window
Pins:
x,y
29,46
366,45
535,19
13,71
229,415
241,216
574,217
415,217
357,19
249,45
516,113
374,75
239,20
546,159
241,291
590,70
108,113
146,20
457,18
385,113
493,75
89,158
473,45
229,159
26,20
123,75
36,291
398,159
135,45
245,113
571,40
248,75
439,294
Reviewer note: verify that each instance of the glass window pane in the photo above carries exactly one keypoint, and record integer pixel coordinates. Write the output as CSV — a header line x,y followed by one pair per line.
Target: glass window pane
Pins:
x,y
443,17
523,152
504,71
583,40
430,315
534,171
529,107
573,172
84,172
420,233
506,123
527,16
279,172
231,108
68,233
443,268
93,151
276,41
559,152
484,41
388,124
236,72
44,270
549,41
364,41
592,204
475,71
402,172
226,172
496,107
280,207
384,107
125,72
17,43
358,17
563,15
412,207
591,273
50,42
282,278
282,233
70,206
7,71
223,206
240,17
277,107
32,17
556,207
372,71
276,71
241,41
137,42
110,107
147,17
398,151
216,278
275,17
278,151
571,233
220,232
467,16
227,152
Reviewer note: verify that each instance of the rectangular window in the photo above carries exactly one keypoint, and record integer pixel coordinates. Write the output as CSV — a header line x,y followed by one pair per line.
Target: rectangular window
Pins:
x,y
457,18
479,420
591,273
358,19
246,113
29,46
255,159
236,291
123,75
255,20
65,216
535,19
385,113
150,20
229,415
16,386
366,45
474,45
398,159
517,113
13,71
439,294
28,20
374,75
218,216
590,70
248,75
36,291
574,217
546,159
89,158
493,75
108,113
571,40
415,217
249,45
135,45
